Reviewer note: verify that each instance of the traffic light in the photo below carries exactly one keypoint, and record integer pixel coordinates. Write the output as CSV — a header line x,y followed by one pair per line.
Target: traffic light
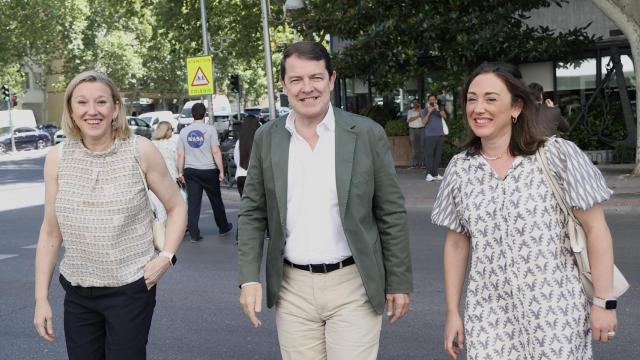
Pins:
x,y
234,80
14,100
6,94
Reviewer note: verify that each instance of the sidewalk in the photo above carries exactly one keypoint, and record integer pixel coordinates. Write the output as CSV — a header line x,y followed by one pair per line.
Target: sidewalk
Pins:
x,y
626,198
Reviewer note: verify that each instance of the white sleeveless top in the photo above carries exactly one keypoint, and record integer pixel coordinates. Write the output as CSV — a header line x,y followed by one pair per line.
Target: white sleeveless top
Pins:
x,y
103,214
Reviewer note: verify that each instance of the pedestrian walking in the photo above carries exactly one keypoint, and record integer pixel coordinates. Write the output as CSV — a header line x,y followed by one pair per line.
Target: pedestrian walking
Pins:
x,y
416,133
200,166
324,182
524,296
548,116
242,149
432,118
162,139
96,206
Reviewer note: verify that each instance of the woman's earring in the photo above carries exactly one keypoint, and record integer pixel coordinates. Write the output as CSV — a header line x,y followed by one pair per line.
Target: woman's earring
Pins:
x,y
514,119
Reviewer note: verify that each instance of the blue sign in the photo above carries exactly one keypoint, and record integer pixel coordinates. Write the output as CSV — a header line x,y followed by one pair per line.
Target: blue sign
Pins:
x,y
195,138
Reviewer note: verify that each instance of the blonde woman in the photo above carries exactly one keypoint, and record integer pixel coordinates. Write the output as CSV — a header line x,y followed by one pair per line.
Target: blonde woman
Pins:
x,y
161,138
96,206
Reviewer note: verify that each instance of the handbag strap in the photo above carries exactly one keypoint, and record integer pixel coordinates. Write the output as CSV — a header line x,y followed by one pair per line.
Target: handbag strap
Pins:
x,y
555,187
144,178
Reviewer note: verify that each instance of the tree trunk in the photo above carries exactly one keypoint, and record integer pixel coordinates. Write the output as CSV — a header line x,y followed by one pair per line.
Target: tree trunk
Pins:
x,y
626,15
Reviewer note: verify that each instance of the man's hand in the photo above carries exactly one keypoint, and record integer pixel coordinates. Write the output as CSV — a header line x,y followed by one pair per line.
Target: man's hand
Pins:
x,y
43,320
251,301
397,306
221,176
549,103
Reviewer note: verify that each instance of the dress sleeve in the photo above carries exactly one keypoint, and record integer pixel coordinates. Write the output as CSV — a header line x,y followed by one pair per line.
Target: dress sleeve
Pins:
x,y
445,210
581,183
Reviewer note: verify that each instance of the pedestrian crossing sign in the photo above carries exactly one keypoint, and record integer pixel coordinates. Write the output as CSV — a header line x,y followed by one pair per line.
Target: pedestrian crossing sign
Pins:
x,y
199,75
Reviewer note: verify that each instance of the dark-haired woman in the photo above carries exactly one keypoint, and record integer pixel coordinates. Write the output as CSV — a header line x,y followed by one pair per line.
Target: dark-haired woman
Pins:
x,y
524,298
242,151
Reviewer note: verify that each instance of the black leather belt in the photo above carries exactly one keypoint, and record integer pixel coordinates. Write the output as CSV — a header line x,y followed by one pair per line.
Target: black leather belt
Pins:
x,y
322,268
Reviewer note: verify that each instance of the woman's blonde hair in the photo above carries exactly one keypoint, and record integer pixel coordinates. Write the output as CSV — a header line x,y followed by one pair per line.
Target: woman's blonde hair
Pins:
x,y
120,128
163,131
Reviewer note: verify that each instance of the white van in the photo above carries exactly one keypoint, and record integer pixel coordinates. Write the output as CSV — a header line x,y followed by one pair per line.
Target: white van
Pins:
x,y
221,113
19,118
154,118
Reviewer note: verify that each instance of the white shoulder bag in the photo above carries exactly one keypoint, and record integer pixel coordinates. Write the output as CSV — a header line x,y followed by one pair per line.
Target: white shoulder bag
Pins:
x,y
578,238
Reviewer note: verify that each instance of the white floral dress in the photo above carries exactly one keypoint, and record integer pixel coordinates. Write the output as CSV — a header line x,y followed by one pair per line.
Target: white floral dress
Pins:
x,y
524,297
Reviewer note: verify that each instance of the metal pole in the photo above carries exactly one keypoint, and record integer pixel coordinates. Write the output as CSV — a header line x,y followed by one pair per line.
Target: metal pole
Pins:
x,y
267,58
205,48
13,140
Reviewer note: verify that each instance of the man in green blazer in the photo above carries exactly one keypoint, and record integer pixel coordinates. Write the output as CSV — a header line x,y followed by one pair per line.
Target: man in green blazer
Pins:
x,y
322,181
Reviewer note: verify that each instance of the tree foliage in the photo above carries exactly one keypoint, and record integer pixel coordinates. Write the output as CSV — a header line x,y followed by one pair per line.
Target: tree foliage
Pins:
x,y
388,41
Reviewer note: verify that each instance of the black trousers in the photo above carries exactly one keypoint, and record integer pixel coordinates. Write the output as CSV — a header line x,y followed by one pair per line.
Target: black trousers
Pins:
x,y
207,180
240,184
108,323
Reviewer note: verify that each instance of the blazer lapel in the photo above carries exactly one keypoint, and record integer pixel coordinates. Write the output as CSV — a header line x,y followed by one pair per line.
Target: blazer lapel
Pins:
x,y
280,164
345,144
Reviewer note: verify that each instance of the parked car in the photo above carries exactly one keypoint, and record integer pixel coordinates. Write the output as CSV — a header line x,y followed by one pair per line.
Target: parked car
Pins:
x,y
139,127
154,118
59,137
255,111
283,111
49,128
24,138
17,118
221,114
264,115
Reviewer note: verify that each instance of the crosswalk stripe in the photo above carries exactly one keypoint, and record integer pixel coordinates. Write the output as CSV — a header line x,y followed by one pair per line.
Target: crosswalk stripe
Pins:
x,y
6,256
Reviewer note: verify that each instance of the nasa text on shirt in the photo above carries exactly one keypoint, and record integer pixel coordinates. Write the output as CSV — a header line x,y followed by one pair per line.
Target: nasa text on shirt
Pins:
x,y
195,138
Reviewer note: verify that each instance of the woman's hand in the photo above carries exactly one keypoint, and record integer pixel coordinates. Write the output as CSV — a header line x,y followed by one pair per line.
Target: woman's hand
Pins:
x,y
43,320
453,335
155,269
602,321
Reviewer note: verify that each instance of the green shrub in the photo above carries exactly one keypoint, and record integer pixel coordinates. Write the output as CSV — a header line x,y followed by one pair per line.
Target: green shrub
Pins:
x,y
379,113
396,128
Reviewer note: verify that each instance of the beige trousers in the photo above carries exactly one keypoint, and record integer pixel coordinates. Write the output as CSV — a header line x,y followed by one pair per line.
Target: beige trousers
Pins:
x,y
326,316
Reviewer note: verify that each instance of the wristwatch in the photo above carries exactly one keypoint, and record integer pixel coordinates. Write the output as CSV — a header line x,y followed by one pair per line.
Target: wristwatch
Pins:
x,y
609,304
172,257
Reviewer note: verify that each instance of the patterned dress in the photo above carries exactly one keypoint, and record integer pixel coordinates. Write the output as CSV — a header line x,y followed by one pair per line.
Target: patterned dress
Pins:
x,y
524,297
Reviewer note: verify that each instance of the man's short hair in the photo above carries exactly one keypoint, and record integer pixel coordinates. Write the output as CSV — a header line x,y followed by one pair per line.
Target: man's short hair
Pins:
x,y
308,50
537,90
198,110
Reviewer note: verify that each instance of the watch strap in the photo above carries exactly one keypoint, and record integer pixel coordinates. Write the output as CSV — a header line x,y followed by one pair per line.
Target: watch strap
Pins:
x,y
608,304
170,256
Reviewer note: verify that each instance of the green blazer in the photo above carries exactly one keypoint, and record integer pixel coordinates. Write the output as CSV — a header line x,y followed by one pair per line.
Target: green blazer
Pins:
x,y
371,207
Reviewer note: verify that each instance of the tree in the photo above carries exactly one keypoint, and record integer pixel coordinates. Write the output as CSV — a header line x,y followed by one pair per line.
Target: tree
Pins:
x,y
626,15
388,41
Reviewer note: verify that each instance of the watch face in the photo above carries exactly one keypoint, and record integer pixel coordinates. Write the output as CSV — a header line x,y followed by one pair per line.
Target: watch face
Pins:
x,y
173,260
610,304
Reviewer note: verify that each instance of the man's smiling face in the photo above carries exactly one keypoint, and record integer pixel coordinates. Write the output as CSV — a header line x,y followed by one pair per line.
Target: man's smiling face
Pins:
x,y
308,86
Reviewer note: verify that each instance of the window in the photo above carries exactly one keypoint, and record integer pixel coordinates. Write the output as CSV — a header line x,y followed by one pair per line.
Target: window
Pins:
x,y
576,76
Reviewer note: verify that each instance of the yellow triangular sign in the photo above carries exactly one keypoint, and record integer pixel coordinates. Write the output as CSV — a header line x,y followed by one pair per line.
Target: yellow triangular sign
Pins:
x,y
200,79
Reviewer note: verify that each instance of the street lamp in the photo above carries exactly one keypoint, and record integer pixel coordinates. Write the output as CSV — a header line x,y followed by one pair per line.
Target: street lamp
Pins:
x,y
265,6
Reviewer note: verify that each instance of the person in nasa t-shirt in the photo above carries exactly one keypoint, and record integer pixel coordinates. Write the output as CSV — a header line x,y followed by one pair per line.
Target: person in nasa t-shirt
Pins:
x,y
200,166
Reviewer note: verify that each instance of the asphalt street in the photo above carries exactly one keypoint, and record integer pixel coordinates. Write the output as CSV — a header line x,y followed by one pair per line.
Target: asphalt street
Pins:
x,y
198,315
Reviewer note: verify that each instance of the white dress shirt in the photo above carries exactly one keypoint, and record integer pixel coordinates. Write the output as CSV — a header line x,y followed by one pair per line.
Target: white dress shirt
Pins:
x,y
240,171
314,229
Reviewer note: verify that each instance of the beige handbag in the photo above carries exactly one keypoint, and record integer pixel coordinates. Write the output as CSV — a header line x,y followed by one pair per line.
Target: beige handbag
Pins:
x,y
157,225
578,238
